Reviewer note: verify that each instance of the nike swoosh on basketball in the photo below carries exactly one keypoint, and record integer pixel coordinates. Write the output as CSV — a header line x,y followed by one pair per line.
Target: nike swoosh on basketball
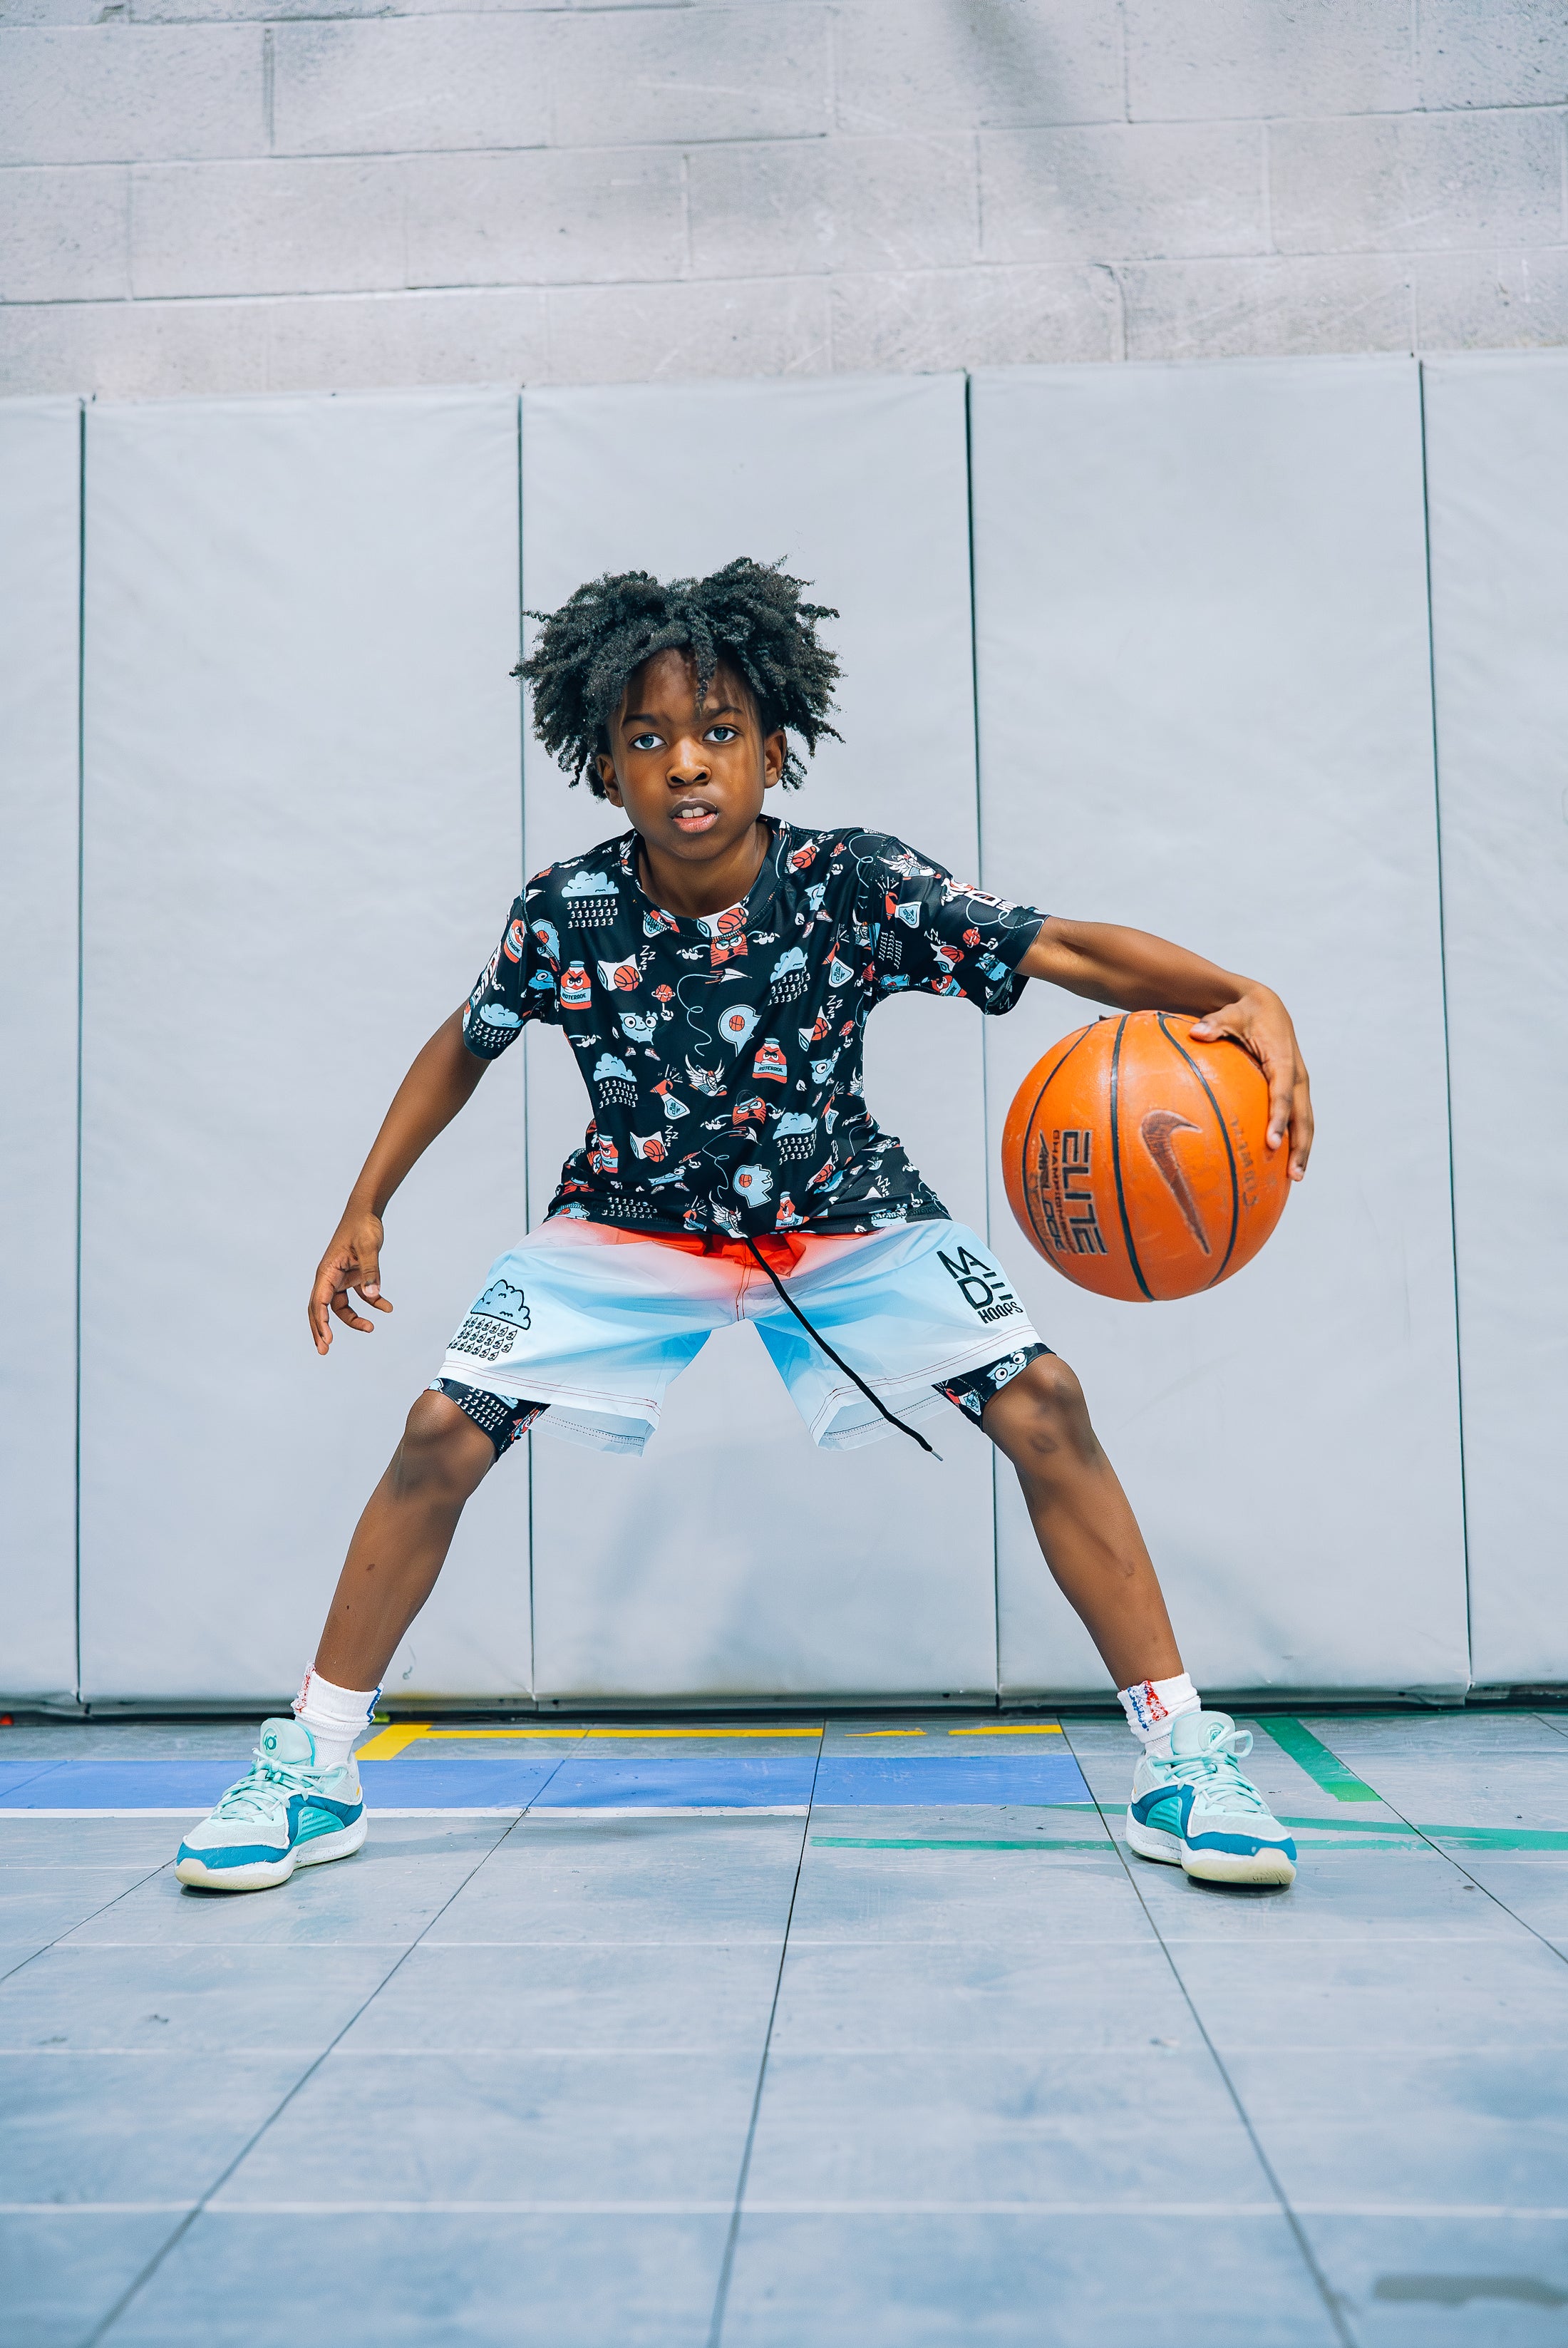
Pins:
x,y
1155,1130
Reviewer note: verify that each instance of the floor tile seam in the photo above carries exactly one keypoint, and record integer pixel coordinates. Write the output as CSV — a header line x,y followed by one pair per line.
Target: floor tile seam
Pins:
x,y
1327,2298
146,2272
62,1938
732,2233
1452,1859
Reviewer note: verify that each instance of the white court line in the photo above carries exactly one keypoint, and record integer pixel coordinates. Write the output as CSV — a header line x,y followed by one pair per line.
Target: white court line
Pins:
x,y
1491,2210
447,1810
759,2209
673,1810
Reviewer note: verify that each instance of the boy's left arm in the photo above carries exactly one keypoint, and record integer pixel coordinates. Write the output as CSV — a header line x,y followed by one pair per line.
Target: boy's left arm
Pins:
x,y
1136,972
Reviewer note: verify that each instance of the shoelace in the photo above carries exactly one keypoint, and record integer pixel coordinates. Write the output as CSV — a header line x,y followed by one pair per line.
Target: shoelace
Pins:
x,y
263,1789
1223,1759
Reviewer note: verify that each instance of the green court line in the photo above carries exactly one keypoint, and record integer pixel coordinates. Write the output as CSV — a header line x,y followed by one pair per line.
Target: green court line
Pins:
x,y
1357,1826
1324,1767
1347,1837
1501,1838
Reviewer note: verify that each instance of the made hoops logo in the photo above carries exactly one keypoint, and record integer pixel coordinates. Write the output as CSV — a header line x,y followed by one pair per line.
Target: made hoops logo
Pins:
x,y
982,1287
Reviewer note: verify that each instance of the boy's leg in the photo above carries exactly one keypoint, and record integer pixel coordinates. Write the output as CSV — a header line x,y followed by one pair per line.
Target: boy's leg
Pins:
x,y
1191,1804
301,1803
401,1541
1083,1521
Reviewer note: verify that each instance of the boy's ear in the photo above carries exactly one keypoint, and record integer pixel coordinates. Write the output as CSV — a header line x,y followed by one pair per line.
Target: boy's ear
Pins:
x,y
774,750
607,776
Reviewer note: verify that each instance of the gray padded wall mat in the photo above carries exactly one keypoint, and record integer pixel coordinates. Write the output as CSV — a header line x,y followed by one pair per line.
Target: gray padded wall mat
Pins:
x,y
40,472
734,1559
302,813
1497,472
1204,709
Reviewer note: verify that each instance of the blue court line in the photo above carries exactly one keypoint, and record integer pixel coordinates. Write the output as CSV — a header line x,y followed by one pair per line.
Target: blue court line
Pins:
x,y
971,1774
676,1776
729,1779
13,1774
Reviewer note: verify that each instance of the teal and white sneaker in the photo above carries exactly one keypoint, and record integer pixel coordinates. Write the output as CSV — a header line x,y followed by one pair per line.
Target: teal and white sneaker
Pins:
x,y
1197,1811
284,1813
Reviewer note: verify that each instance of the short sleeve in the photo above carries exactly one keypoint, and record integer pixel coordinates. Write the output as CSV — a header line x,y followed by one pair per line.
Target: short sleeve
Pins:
x,y
518,983
942,936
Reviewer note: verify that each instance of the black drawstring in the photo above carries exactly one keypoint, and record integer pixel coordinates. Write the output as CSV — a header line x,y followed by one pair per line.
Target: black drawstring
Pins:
x,y
893,1421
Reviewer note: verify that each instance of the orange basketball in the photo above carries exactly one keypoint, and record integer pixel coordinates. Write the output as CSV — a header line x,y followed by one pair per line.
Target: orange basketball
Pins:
x,y
1138,1160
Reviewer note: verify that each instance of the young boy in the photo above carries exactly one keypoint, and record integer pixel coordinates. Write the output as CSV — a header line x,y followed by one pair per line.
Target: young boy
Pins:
x,y
713,969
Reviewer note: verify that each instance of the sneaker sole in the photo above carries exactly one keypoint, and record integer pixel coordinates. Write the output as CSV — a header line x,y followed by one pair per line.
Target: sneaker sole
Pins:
x,y
1264,1867
263,1875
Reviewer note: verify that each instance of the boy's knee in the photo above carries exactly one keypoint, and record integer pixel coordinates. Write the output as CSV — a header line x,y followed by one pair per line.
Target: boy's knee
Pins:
x,y
442,1450
1041,1420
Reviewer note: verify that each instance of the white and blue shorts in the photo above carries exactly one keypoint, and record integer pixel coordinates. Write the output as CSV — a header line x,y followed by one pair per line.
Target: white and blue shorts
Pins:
x,y
581,1327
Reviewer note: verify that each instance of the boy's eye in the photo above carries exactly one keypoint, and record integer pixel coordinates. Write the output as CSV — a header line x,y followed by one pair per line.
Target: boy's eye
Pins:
x,y
645,742
724,733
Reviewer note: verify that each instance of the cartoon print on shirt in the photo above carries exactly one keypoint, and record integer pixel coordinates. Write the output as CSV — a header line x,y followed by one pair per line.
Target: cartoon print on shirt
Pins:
x,y
835,922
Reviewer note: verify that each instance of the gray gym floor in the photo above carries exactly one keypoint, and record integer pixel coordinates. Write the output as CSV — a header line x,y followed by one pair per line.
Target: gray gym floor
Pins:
x,y
873,2076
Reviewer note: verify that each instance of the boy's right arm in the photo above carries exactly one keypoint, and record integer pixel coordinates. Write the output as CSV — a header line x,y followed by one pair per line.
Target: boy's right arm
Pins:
x,y
436,1088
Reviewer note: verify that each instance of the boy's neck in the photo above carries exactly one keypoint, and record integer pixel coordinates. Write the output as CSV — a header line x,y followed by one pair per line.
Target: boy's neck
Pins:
x,y
690,888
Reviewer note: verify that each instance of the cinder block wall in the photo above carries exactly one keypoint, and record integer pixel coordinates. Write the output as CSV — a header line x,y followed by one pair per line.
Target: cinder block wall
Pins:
x,y
247,195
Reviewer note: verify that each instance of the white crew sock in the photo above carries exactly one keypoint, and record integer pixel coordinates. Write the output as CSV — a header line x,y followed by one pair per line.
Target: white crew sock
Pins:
x,y
1152,1704
336,1717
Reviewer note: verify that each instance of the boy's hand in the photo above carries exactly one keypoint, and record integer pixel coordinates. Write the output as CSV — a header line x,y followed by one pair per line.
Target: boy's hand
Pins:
x,y
351,1262
1259,1021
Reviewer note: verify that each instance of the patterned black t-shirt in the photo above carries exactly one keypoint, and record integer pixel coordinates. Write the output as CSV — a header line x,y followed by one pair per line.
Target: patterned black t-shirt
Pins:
x,y
723,1055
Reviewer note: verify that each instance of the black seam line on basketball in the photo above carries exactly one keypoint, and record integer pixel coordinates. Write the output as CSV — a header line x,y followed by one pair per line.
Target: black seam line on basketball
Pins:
x,y
1116,1162
1330,2298
1224,1136
139,2281
872,1398
1029,1128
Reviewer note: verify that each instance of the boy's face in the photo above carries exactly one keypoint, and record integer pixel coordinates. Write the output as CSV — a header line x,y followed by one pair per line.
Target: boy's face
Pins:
x,y
691,779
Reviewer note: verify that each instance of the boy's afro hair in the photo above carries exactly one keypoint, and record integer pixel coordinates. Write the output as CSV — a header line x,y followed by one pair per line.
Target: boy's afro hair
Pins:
x,y
750,615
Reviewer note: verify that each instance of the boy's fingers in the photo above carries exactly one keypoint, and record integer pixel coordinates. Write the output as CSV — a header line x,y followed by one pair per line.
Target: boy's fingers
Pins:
x,y
1282,1102
346,1313
367,1283
1301,1132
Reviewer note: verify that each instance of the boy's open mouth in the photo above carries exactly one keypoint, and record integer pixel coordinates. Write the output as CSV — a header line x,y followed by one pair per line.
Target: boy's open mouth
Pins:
x,y
695,816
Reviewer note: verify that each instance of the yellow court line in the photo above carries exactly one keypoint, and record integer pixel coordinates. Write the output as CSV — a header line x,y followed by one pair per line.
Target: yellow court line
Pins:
x,y
887,1732
392,1741
403,1733
561,1735
594,1733
1006,1728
